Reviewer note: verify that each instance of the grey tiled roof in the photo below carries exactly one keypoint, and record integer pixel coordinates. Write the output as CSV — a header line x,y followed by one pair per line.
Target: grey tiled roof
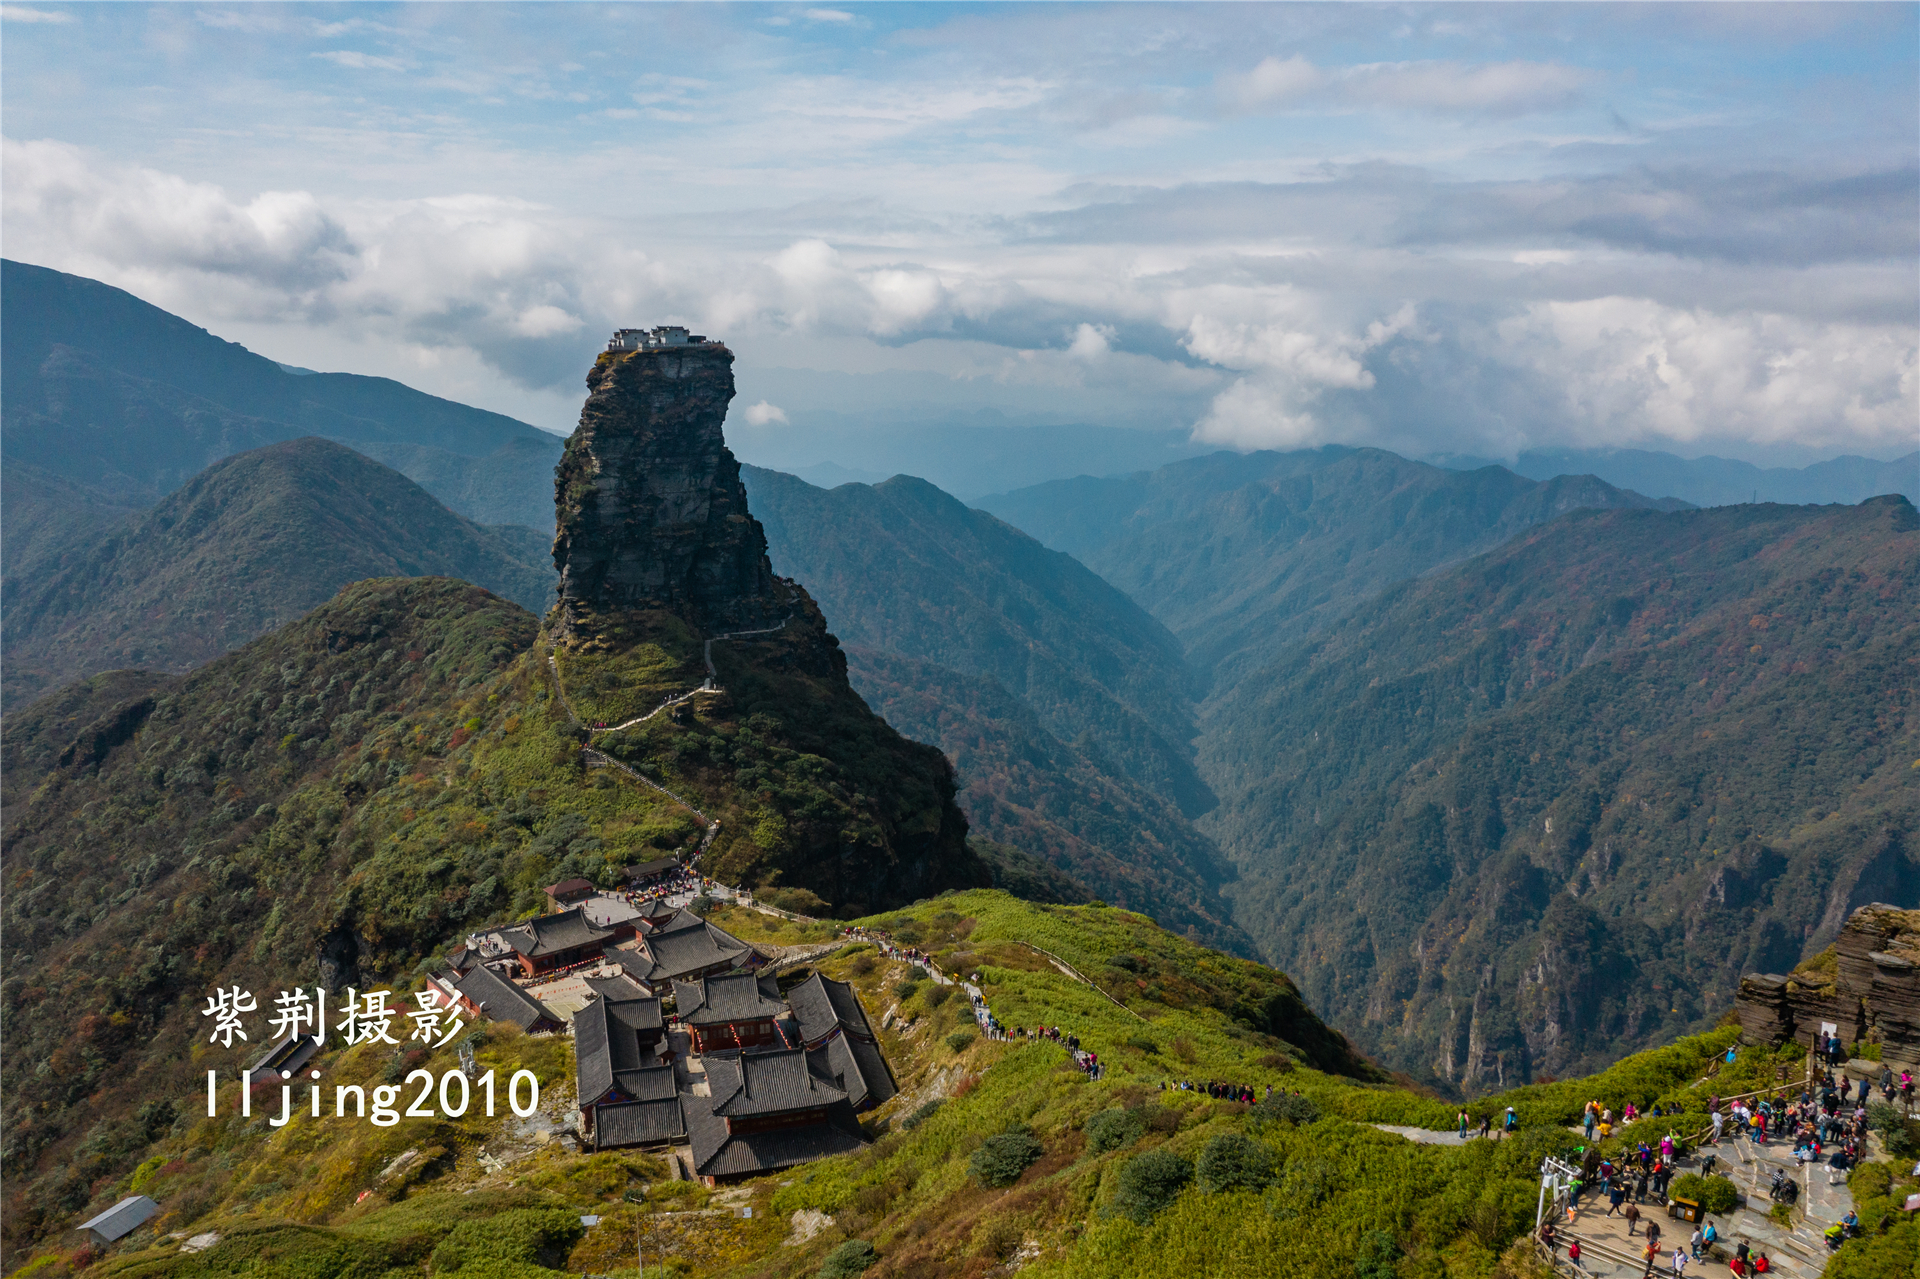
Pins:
x,y
655,910
822,1006
639,1123
652,868
551,934
734,997
769,1083
618,986
500,999
649,1083
607,1043
718,1153
683,950
834,1025
858,1067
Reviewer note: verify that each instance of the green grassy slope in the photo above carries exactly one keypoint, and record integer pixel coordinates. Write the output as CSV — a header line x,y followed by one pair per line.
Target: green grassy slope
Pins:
x,y
248,545
1521,816
338,800
1311,1189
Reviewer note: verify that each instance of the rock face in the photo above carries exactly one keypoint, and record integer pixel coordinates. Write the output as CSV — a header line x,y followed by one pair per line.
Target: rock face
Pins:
x,y
1867,986
650,509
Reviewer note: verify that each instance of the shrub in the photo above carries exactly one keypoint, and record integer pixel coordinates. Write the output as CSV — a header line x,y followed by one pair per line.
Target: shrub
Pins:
x,y
1150,1182
939,995
537,1235
1283,1108
1113,1129
1715,1194
1142,1043
921,1115
848,1260
1893,1129
1233,1162
1376,1256
1002,1157
961,1040
906,990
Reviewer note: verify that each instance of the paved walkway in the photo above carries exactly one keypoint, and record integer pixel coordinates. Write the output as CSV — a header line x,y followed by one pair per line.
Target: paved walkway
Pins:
x,y
1429,1136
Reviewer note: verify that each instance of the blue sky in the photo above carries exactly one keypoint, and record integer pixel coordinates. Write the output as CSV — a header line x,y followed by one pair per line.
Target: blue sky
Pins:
x,y
1435,228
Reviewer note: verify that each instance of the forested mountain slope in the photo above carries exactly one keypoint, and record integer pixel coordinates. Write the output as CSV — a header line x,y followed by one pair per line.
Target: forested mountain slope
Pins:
x,y
1238,554
1512,816
1062,703
111,392
249,545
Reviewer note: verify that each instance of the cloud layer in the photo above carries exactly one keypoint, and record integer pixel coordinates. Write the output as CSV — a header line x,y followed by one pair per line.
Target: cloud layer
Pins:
x,y
1305,228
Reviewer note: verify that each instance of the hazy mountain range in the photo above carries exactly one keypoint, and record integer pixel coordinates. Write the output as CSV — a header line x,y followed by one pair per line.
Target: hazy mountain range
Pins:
x,y
1319,705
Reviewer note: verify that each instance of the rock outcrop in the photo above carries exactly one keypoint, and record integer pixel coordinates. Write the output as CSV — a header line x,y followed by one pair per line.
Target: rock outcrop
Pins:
x,y
1867,985
665,587
650,509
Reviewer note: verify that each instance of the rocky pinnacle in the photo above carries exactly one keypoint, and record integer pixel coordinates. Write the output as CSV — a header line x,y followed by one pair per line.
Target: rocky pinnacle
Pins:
x,y
650,511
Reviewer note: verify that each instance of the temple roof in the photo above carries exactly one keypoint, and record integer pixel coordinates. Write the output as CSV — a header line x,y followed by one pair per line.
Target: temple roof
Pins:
x,y
735,997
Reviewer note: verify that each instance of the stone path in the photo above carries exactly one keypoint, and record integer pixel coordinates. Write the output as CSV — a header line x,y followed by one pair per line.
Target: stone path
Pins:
x,y
1428,1136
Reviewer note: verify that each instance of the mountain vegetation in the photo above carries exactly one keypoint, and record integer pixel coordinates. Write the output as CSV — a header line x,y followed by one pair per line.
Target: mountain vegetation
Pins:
x,y
1240,553
113,394
994,1152
250,544
1063,704
1516,817
334,803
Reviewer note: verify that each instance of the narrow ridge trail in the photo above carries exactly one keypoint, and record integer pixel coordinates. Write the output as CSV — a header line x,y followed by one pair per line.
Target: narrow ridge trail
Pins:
x,y
599,759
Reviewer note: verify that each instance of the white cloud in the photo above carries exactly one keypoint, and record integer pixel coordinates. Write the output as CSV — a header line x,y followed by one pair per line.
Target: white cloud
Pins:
x,y
1495,88
1279,338
358,61
1091,341
545,321
1631,369
1274,82
1492,88
1291,363
829,15
21,13
764,414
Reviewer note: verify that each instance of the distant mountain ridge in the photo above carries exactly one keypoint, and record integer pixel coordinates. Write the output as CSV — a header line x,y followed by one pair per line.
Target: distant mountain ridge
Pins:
x,y
1720,481
111,392
1240,553
248,545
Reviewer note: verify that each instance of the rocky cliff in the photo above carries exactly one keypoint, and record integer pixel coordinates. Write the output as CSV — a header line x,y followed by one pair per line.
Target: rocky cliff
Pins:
x,y
665,582
650,509
1867,985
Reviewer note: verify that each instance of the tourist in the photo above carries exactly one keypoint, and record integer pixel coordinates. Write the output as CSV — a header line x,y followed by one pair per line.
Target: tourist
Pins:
x,y
1633,1218
1573,1253
1679,1263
